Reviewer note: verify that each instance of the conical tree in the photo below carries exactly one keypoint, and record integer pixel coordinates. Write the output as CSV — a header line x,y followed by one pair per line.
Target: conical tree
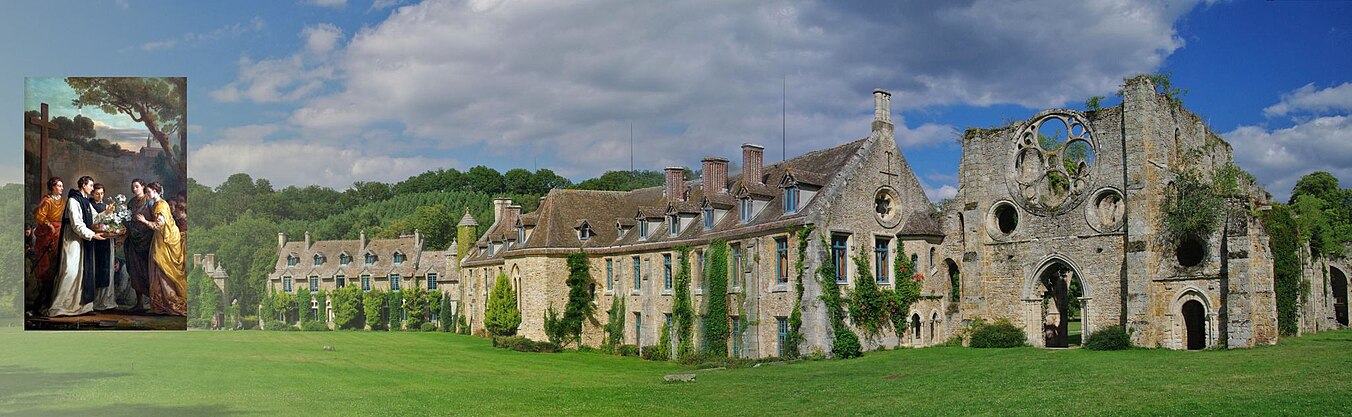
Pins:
x,y
501,317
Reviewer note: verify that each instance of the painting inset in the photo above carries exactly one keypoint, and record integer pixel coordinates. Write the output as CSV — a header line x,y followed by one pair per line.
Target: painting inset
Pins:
x,y
105,175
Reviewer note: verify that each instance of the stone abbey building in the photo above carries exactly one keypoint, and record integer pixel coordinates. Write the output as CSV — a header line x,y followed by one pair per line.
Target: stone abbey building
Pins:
x,y
1056,217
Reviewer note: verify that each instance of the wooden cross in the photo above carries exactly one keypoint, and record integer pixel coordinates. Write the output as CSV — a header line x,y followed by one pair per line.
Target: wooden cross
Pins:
x,y
44,127
890,175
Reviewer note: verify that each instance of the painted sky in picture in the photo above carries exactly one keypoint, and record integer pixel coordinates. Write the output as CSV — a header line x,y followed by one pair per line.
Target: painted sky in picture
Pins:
x,y
116,128
331,91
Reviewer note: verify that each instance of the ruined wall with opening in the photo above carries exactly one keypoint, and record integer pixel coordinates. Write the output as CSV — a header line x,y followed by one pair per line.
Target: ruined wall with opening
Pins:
x,y
1068,197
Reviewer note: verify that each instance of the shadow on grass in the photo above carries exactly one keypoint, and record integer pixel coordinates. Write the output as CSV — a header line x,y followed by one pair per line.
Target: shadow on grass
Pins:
x,y
31,391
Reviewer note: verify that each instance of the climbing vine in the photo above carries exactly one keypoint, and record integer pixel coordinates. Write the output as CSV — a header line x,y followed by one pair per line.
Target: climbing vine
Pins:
x,y
844,343
716,310
906,290
795,336
869,305
615,327
682,311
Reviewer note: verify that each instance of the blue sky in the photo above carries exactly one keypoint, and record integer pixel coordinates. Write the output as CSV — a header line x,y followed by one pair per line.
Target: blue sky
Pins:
x,y
330,92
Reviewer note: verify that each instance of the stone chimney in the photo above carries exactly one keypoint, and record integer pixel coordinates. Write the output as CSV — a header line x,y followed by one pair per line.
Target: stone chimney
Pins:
x,y
363,240
209,262
417,239
715,175
197,259
752,157
512,213
281,240
500,208
675,184
307,240
882,110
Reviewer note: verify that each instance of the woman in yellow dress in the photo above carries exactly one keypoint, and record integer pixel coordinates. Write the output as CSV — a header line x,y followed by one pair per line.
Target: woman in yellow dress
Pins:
x,y
168,279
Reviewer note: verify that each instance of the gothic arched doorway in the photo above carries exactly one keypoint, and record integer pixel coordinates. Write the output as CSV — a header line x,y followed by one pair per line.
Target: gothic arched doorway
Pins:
x,y
1194,319
1339,283
1058,300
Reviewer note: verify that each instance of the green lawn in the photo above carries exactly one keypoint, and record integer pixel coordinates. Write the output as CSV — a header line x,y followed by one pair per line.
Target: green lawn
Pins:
x,y
203,373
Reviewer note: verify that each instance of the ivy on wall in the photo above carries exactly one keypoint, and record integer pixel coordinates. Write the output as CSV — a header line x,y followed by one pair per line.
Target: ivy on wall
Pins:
x,y
682,312
844,343
716,309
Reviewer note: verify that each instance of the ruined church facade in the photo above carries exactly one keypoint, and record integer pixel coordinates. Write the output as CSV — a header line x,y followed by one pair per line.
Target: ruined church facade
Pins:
x,y
1063,212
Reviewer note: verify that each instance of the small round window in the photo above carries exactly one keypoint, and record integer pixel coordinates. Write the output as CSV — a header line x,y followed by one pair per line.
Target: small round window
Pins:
x,y
887,207
1002,220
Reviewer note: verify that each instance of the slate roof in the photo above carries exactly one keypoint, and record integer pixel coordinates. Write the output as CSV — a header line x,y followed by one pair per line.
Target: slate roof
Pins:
x,y
562,210
416,261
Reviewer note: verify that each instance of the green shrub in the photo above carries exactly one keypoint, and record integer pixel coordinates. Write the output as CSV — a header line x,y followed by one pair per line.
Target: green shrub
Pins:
x,y
314,326
199,323
501,317
1111,338
522,344
249,322
1001,334
373,306
846,345
429,327
652,353
278,326
627,350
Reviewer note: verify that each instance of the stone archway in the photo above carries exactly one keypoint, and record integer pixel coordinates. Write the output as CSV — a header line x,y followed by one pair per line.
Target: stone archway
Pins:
x,y
1052,295
1193,321
934,328
915,330
1338,280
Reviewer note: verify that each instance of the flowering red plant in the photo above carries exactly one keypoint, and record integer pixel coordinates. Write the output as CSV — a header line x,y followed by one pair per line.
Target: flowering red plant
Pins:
x,y
919,277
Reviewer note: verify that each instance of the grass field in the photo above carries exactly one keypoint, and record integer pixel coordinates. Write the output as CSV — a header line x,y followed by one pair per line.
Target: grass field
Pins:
x,y
203,373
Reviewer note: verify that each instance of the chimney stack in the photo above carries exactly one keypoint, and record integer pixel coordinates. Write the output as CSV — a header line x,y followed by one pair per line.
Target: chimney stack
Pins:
x,y
675,184
882,110
307,240
715,175
752,156
500,208
882,106
281,240
197,259
363,239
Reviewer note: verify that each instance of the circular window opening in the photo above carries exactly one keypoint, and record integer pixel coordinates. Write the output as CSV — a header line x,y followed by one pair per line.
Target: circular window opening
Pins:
x,y
1190,252
887,206
1006,218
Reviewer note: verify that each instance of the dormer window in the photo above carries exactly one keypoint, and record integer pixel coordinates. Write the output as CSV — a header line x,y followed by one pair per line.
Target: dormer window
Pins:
x,y
584,232
319,260
370,258
791,199
292,260
708,218
344,259
675,221
744,208
520,235
643,228
399,258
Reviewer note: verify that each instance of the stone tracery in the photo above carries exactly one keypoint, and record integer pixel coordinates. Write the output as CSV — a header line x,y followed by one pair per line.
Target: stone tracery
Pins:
x,y
1050,172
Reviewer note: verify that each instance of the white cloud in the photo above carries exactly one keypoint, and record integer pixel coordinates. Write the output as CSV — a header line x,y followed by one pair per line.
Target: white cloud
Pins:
x,y
301,162
249,132
1308,99
337,4
232,30
1278,158
321,38
383,4
939,194
533,77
